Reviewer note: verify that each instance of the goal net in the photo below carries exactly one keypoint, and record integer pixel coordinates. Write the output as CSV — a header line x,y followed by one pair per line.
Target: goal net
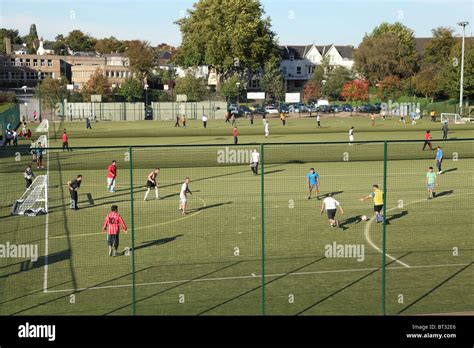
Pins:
x,y
43,126
452,118
43,140
35,199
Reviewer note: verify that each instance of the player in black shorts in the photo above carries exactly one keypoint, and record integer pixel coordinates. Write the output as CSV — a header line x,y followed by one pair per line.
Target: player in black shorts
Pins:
x,y
73,186
151,184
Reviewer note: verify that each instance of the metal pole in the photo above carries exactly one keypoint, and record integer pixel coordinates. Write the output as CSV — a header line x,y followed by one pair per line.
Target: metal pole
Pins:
x,y
133,231
463,24
262,199
384,225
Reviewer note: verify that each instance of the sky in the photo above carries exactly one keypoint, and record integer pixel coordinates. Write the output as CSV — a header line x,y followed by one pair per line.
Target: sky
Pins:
x,y
296,22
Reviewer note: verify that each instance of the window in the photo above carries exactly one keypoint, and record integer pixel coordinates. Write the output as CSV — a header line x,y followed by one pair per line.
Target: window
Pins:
x,y
35,62
298,70
4,75
254,83
292,57
43,62
28,62
50,62
283,70
5,63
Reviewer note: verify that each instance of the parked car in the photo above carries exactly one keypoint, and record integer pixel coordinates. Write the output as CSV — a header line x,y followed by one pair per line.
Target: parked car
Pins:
x,y
259,110
336,108
347,108
284,109
244,111
295,108
271,110
367,108
323,108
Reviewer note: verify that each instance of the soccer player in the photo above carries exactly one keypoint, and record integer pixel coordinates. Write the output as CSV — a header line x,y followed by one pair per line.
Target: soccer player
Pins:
x,y
413,118
254,160
445,130
351,135
236,139
318,120
177,122
267,129
183,200
152,184
312,180
283,119
39,156
88,122
111,176
65,141
28,175
252,116
204,121
73,186
439,159
427,140
112,223
372,119
183,121
377,196
431,182
331,209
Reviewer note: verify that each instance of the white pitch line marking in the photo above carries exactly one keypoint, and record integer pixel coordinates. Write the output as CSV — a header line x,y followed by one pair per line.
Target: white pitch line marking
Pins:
x,y
255,276
367,230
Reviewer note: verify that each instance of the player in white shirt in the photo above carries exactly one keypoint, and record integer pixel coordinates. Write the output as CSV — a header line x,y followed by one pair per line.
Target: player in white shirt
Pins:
x,y
330,204
183,196
351,135
254,160
267,129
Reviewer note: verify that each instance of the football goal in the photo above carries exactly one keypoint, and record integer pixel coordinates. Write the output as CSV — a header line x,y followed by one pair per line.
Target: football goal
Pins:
x,y
452,118
34,200
43,126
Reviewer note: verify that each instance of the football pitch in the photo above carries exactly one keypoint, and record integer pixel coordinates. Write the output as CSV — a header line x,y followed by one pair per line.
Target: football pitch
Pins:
x,y
249,245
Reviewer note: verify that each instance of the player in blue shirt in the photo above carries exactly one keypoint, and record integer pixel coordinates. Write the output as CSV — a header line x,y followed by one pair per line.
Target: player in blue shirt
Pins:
x,y
312,180
439,159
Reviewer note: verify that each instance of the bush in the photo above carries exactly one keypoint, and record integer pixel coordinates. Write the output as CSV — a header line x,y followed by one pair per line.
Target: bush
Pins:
x,y
7,97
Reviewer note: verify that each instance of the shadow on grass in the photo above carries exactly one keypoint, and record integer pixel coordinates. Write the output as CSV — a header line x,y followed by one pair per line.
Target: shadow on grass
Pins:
x,y
161,241
444,193
395,217
208,207
349,221
449,170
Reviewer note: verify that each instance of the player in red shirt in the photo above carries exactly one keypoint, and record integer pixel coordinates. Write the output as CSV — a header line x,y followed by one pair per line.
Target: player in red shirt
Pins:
x,y
113,222
65,141
427,140
111,176
236,140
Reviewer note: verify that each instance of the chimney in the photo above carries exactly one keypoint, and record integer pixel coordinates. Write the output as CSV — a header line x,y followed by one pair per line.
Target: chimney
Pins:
x,y
8,45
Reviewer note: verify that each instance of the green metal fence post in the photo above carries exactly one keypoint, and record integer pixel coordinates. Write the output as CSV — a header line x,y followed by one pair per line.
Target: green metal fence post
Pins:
x,y
262,199
133,229
384,225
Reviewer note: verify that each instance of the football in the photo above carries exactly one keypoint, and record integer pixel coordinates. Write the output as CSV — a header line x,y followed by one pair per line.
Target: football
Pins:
x,y
364,218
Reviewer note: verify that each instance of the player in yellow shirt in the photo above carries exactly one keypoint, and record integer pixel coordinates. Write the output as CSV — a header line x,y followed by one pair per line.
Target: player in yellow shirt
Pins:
x,y
377,196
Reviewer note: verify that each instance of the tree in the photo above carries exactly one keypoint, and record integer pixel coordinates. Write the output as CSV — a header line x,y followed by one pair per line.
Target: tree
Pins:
x,y
131,89
229,88
229,35
311,91
59,45
451,72
389,87
438,49
388,50
98,84
426,81
335,80
109,45
272,80
355,90
194,87
14,36
141,58
31,37
78,41
50,92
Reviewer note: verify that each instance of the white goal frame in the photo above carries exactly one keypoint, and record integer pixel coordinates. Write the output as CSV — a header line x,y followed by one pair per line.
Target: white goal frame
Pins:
x,y
456,118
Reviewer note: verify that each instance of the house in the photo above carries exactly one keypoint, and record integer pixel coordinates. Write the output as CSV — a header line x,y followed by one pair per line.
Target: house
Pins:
x,y
19,49
44,49
298,62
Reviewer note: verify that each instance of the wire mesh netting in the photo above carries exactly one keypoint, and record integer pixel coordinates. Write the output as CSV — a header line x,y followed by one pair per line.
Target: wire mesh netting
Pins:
x,y
250,242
